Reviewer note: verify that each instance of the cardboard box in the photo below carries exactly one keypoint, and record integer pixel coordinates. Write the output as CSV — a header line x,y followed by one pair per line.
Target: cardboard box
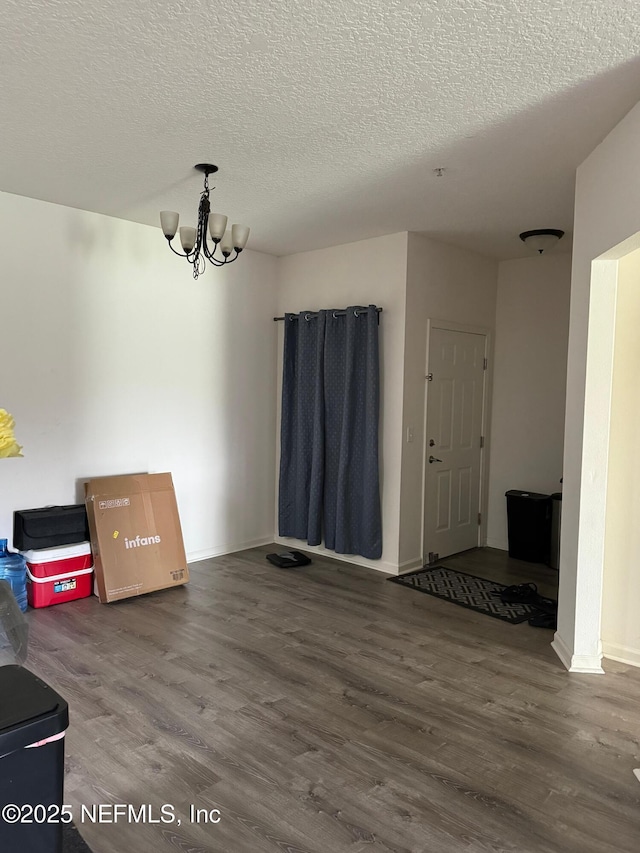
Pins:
x,y
136,536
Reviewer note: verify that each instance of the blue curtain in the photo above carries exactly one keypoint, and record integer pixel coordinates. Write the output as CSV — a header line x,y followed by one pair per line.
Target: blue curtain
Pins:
x,y
329,481
302,428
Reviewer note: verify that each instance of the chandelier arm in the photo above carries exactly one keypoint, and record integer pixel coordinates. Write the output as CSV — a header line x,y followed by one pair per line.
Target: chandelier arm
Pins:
x,y
211,255
218,262
179,254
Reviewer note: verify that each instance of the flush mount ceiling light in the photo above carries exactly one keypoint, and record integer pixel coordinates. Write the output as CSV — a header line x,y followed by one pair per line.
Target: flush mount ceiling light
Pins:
x,y
195,247
542,239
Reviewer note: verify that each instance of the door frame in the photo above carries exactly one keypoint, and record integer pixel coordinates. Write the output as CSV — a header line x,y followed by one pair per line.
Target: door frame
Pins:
x,y
452,326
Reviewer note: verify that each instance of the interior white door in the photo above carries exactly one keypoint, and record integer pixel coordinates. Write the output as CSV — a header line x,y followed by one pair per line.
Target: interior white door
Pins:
x,y
455,395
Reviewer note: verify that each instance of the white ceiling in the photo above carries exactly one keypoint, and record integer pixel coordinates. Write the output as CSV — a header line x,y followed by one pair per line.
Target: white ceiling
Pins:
x,y
326,117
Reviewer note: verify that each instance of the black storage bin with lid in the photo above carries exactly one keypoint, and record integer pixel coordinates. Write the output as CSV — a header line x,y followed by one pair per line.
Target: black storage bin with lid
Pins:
x,y
529,525
49,527
31,712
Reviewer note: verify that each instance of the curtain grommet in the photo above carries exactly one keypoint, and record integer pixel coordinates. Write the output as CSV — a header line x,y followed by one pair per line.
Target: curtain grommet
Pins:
x,y
355,313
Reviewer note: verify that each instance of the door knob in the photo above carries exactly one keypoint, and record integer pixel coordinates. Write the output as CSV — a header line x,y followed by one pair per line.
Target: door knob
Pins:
x,y
433,459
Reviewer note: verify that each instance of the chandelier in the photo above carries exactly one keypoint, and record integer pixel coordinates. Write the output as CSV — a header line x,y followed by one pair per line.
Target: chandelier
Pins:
x,y
195,247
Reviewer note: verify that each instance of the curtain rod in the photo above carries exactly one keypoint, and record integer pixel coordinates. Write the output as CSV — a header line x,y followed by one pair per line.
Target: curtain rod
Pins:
x,y
310,314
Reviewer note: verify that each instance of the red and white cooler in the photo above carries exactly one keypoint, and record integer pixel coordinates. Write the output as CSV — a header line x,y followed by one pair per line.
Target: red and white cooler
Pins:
x,y
56,575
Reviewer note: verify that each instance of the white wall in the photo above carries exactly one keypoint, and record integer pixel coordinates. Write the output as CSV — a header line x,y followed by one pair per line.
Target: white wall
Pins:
x,y
115,360
607,213
443,283
621,591
529,382
369,271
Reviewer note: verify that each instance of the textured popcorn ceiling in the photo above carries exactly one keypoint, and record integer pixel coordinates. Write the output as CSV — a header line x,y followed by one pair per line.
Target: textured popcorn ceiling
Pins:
x,y
326,117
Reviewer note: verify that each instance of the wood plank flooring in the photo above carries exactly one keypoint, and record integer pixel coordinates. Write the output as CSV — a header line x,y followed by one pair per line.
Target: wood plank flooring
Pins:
x,y
498,566
325,710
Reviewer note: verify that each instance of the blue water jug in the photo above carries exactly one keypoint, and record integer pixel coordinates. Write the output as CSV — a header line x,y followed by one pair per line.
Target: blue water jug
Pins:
x,y
13,569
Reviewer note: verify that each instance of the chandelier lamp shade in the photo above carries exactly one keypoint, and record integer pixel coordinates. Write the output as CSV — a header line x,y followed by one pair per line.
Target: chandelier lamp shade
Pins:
x,y
195,243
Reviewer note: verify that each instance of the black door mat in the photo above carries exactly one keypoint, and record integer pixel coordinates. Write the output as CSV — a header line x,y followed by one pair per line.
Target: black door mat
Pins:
x,y
468,591
72,841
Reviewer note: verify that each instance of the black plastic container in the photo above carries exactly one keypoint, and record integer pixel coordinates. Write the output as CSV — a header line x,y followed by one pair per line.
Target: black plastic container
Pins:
x,y
30,712
529,525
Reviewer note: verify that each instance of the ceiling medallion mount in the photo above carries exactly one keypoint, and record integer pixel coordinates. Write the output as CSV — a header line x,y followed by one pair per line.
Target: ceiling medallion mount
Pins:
x,y
195,246
541,240
207,168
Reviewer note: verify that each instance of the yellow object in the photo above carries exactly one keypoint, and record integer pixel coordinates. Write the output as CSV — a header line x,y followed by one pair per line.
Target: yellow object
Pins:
x,y
116,533
8,444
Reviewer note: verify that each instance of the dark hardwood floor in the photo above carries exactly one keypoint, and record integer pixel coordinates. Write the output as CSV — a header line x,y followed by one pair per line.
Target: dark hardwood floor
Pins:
x,y
498,566
326,710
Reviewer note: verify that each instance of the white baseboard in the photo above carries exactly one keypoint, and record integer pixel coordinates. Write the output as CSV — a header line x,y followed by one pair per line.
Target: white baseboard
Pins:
x,y
408,565
500,544
378,565
623,654
559,647
585,664
221,550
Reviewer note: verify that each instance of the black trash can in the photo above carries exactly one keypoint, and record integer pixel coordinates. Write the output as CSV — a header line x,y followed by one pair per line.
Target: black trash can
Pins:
x,y
30,712
529,525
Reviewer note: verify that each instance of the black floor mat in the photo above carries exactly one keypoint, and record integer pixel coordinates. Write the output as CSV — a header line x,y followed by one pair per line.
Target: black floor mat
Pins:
x,y
468,591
